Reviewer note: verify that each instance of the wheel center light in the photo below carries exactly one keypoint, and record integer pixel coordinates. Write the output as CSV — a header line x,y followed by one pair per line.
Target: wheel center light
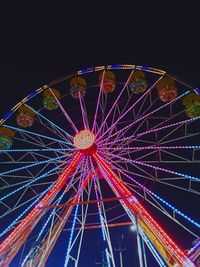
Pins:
x,y
84,140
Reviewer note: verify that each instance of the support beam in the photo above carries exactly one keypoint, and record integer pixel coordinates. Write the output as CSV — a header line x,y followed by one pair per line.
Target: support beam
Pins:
x,y
167,248
30,221
41,256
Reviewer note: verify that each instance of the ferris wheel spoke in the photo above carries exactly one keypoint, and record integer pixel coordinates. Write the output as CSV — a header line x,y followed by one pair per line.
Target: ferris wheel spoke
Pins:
x,y
36,150
133,138
37,212
84,112
19,206
98,102
113,106
45,244
24,177
180,138
160,154
143,173
184,176
137,148
58,226
103,221
121,190
156,204
122,131
53,125
187,187
38,135
133,105
161,208
64,111
53,160
146,109
126,128
54,131
9,227
25,184
158,198
104,103
146,121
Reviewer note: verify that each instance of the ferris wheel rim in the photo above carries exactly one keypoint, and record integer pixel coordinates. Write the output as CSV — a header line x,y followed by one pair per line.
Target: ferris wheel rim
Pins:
x,y
92,70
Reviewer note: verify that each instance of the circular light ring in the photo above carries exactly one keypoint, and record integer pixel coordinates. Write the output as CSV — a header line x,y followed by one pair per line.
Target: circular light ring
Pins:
x,y
84,139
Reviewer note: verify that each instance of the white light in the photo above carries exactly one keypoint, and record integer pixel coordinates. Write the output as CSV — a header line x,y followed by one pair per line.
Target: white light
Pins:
x,y
84,139
133,228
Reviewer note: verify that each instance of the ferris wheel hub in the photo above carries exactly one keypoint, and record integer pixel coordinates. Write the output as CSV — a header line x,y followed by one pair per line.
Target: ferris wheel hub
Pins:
x,y
85,141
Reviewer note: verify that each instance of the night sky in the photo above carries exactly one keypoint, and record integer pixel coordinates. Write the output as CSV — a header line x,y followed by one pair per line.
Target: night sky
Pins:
x,y
44,42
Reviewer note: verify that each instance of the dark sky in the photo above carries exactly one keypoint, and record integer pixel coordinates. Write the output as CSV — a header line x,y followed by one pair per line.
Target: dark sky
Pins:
x,y
41,43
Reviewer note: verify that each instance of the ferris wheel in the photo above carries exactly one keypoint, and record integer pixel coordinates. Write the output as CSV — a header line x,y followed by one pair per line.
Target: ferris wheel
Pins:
x,y
86,156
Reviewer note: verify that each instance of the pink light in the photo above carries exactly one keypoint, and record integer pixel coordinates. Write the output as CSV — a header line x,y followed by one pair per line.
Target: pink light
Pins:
x,y
155,167
133,137
132,106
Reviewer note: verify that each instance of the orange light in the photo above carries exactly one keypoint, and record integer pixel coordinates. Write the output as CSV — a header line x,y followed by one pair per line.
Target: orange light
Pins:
x,y
84,140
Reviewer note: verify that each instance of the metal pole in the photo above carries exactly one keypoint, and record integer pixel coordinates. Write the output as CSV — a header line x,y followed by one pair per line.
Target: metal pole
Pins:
x,y
120,248
139,245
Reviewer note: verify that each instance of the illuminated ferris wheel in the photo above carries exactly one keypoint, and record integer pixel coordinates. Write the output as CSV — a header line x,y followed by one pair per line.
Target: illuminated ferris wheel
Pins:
x,y
90,154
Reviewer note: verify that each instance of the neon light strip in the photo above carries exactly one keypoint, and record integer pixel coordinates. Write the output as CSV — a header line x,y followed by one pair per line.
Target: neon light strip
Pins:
x,y
83,112
50,216
131,107
29,183
64,111
111,109
71,235
143,117
194,247
77,199
156,168
37,134
33,165
55,125
148,147
161,199
35,213
102,223
136,206
36,150
25,211
98,101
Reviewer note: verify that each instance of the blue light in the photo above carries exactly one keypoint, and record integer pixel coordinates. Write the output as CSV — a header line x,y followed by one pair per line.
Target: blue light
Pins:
x,y
71,236
32,94
37,134
55,125
32,165
7,115
197,91
162,200
29,183
27,209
